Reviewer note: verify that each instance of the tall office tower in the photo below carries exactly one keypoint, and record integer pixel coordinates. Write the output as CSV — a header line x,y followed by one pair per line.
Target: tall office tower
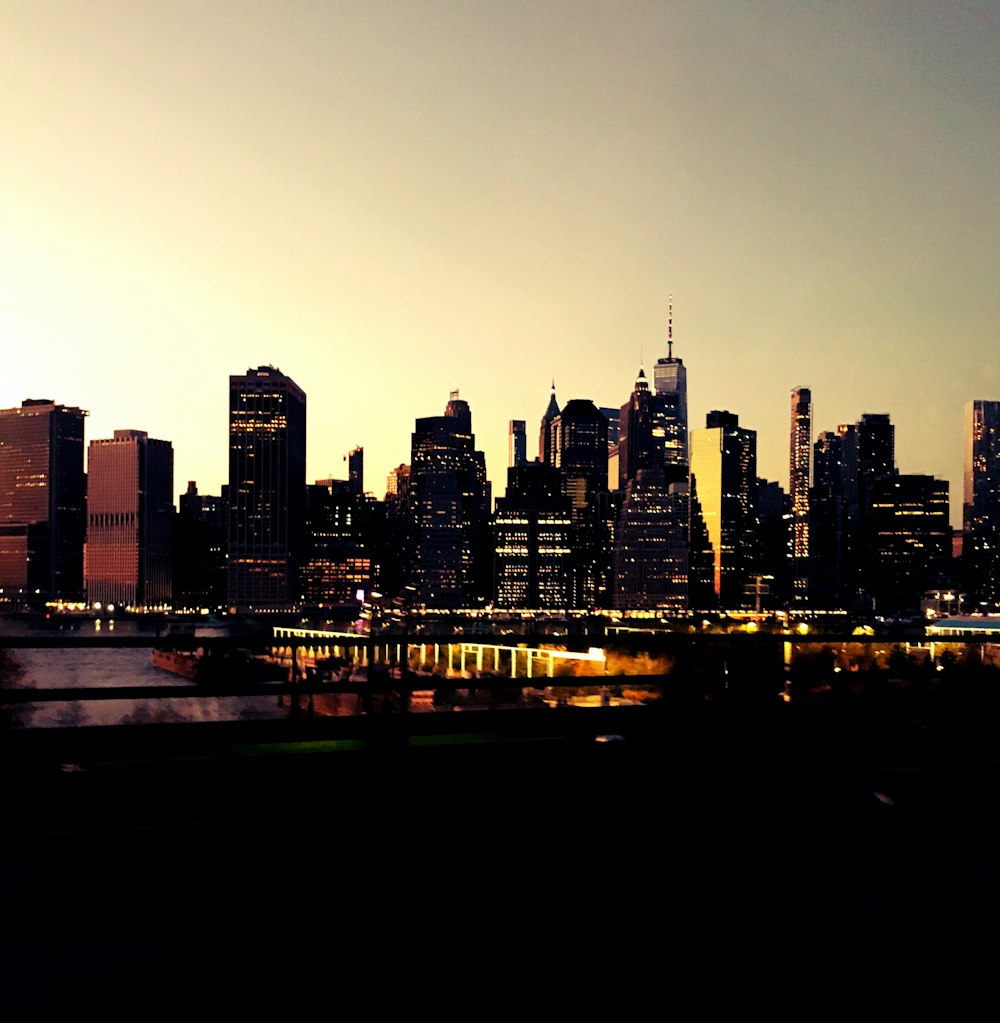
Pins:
x,y
876,452
911,551
981,506
578,443
670,385
579,449
775,566
637,448
724,476
800,452
517,443
267,489
650,549
130,511
532,540
829,535
449,510
545,429
396,543
200,574
43,513
356,470
613,416
344,534
876,460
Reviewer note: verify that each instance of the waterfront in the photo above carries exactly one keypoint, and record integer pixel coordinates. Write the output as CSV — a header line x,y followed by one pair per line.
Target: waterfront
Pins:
x,y
107,667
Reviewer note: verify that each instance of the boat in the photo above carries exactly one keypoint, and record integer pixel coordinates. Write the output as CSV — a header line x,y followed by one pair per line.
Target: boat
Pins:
x,y
179,662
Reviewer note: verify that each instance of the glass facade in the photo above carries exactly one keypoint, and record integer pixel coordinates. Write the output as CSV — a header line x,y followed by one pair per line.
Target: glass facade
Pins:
x,y
981,506
724,467
130,521
267,469
42,502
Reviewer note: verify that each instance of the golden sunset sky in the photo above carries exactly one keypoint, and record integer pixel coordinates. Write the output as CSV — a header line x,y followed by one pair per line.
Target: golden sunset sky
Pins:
x,y
391,200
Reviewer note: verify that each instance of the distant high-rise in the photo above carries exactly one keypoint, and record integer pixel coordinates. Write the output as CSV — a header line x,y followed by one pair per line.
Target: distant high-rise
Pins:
x,y
829,536
650,550
267,488
356,470
578,448
911,541
517,443
670,386
724,478
449,510
636,447
532,540
43,515
344,532
398,524
981,505
800,452
200,575
129,553
545,429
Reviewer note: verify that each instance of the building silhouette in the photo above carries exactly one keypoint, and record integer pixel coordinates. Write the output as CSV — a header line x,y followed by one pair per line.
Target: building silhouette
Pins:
x,y
775,585
43,516
545,428
911,542
532,531
637,447
578,448
799,465
398,523
356,470
129,553
517,443
724,477
200,573
267,466
829,525
981,505
449,497
650,547
343,540
671,407
649,541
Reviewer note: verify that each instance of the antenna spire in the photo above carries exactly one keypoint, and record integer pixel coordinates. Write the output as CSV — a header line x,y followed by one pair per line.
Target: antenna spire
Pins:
x,y
670,327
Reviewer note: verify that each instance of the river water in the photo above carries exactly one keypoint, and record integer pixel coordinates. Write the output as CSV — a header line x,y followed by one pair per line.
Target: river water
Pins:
x,y
107,667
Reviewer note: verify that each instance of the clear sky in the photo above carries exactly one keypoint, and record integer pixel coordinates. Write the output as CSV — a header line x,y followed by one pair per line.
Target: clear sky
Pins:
x,y
389,201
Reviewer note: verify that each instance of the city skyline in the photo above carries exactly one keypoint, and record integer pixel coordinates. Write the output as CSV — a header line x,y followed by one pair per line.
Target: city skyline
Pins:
x,y
391,202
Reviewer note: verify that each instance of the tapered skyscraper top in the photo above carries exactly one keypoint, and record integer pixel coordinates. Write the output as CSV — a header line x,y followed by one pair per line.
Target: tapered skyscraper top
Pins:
x,y
670,381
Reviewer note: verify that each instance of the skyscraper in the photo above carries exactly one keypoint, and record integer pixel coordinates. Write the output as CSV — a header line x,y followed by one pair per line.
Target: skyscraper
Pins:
x,y
517,443
449,510
356,470
200,573
650,551
545,428
829,526
43,516
578,448
532,540
344,532
800,452
981,505
670,387
267,488
636,446
130,484
911,541
724,478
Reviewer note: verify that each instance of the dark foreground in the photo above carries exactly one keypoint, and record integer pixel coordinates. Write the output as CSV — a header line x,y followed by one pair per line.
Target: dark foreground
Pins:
x,y
152,862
